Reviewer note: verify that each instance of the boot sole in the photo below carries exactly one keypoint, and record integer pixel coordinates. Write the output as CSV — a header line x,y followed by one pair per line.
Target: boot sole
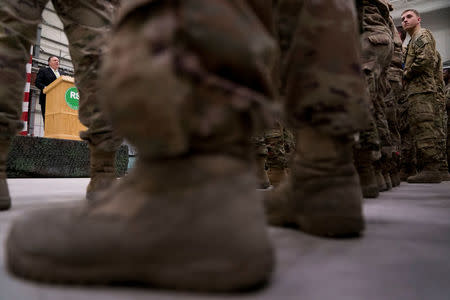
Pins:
x,y
331,226
37,269
425,181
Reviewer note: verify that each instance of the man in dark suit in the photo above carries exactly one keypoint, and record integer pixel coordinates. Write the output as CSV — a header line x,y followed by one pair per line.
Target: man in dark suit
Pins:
x,y
44,77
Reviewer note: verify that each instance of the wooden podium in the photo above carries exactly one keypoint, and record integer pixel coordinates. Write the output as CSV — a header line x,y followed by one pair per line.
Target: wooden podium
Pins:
x,y
61,110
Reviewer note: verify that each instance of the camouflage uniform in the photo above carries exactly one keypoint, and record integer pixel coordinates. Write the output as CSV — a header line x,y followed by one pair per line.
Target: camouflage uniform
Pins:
x,y
392,100
441,115
420,88
326,104
375,145
86,24
286,19
278,140
447,98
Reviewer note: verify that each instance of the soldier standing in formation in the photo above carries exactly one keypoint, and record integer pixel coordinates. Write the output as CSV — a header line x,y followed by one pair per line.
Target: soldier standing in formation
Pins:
x,y
421,94
447,99
86,24
374,150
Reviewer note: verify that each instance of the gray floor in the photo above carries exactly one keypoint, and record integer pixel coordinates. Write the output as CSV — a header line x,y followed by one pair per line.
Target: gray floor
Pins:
x,y
404,254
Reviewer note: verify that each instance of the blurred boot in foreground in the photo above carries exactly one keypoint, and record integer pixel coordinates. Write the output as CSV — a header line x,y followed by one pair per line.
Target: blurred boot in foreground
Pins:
x,y
188,215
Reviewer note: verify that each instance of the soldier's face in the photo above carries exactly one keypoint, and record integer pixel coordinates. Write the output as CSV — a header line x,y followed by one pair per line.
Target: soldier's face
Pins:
x,y
54,63
410,20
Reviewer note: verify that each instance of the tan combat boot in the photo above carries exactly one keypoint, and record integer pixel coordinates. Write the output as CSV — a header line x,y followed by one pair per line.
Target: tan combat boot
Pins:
x,y
322,195
261,173
366,173
189,223
445,175
387,180
429,174
5,200
407,172
102,169
382,186
395,179
276,175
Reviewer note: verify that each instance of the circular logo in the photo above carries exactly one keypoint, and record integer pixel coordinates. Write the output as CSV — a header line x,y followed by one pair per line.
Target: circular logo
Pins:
x,y
73,98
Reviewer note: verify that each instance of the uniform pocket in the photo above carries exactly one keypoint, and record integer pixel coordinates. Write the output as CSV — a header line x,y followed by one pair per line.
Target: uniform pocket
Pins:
x,y
379,39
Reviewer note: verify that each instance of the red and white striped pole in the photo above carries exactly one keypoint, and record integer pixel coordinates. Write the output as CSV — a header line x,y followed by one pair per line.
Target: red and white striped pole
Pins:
x,y
26,96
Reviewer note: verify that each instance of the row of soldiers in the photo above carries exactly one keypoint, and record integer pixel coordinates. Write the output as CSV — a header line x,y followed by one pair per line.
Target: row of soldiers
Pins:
x,y
188,83
399,140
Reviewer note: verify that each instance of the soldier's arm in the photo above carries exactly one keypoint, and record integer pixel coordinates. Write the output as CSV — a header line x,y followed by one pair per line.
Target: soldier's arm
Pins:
x,y
424,59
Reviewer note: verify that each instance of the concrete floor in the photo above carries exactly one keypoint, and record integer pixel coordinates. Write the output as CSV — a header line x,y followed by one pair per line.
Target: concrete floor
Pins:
x,y
404,254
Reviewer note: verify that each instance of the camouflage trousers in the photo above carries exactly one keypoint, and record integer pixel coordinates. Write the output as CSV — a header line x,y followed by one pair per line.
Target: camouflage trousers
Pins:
x,y
86,24
448,138
331,100
276,145
421,117
440,123
376,140
392,114
407,148
392,117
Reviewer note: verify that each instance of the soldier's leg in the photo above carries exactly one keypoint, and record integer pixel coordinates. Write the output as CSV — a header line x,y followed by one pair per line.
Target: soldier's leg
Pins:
x,y
259,143
18,24
382,165
441,127
387,145
366,153
326,107
188,215
368,150
391,102
87,25
448,138
421,117
276,156
408,164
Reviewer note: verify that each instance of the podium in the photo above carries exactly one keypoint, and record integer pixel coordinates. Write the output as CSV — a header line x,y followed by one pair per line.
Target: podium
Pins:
x,y
61,110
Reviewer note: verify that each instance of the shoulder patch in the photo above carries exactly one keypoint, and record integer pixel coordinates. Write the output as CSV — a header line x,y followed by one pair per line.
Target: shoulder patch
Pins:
x,y
420,42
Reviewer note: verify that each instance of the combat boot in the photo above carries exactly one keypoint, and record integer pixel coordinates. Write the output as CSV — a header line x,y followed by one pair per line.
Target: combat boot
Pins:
x,y
5,200
366,173
167,224
261,173
276,175
322,194
395,175
102,171
382,186
395,179
188,215
445,175
387,180
407,172
429,174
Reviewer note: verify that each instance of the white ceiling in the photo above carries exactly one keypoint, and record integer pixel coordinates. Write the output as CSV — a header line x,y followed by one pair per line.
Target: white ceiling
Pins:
x,y
422,6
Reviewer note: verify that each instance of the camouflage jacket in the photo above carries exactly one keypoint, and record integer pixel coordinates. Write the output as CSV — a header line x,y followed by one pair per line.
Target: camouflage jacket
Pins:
x,y
374,15
395,71
420,62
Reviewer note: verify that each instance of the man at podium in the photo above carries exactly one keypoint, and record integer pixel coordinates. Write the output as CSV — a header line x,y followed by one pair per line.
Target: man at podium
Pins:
x,y
45,77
